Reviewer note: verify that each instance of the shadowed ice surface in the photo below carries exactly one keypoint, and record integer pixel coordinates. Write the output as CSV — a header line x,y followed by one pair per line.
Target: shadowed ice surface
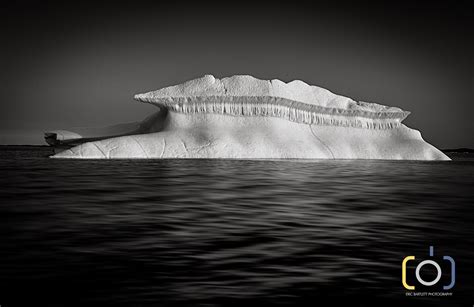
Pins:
x,y
164,232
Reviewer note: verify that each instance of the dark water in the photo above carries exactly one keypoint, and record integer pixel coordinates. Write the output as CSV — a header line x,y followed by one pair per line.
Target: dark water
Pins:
x,y
212,232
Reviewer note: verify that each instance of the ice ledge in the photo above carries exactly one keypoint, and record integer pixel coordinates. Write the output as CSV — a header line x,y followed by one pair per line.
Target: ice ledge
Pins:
x,y
244,95
288,109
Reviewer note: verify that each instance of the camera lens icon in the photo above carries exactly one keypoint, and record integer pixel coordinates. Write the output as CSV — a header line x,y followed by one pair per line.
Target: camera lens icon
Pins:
x,y
433,264
426,283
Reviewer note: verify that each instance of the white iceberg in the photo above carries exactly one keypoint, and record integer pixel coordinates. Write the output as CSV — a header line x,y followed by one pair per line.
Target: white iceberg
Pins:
x,y
242,117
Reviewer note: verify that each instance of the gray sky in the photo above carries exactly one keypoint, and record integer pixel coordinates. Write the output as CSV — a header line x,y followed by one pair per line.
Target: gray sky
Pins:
x,y
66,66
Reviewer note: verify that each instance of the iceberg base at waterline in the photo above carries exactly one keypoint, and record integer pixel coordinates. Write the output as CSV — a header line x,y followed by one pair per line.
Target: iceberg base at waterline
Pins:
x,y
245,118
227,137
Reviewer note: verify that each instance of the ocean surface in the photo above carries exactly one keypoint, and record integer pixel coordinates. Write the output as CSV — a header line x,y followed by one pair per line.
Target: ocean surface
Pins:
x,y
213,232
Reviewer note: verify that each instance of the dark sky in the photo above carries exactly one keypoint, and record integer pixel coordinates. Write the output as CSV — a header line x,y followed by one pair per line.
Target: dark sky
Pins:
x,y
66,65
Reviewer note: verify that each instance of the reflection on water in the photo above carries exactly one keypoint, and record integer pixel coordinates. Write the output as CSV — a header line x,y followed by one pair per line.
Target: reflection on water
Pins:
x,y
161,232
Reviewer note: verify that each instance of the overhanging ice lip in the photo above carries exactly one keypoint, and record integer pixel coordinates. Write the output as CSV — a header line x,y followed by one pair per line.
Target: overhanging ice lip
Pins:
x,y
292,110
211,95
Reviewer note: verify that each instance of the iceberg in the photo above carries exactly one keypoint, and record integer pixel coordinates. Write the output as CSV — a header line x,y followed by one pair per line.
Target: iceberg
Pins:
x,y
242,117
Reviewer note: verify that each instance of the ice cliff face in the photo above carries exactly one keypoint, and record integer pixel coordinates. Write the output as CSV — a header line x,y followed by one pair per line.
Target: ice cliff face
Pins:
x,y
244,117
